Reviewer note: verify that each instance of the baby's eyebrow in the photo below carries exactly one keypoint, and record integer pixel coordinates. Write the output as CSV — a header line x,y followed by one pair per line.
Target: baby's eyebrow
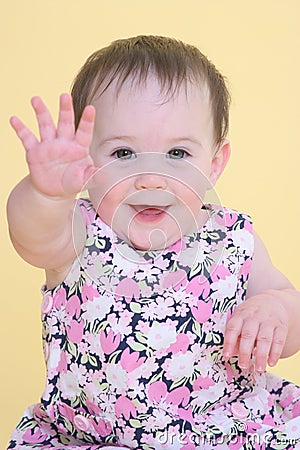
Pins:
x,y
172,141
116,138
192,140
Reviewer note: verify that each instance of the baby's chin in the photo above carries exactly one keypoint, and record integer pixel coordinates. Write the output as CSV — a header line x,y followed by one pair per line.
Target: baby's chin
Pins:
x,y
154,240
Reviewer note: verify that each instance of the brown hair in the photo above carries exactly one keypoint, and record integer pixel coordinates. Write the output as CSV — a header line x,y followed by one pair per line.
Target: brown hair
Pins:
x,y
173,62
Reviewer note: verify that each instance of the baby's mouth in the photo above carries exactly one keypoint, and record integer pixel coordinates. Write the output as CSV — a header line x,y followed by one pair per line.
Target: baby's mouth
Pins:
x,y
149,213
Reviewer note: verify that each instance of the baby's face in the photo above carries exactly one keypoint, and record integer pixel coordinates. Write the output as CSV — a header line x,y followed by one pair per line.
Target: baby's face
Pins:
x,y
156,156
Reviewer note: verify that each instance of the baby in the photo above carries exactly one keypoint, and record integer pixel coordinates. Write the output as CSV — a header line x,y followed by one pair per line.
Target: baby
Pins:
x,y
160,311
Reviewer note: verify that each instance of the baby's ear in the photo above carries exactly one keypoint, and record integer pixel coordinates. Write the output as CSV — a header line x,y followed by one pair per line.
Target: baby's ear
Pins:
x,y
219,161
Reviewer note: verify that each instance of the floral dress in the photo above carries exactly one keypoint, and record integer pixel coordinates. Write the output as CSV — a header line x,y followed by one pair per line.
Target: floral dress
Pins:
x,y
133,347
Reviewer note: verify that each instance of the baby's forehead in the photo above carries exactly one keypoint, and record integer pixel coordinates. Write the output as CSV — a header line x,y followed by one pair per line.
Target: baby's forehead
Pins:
x,y
157,89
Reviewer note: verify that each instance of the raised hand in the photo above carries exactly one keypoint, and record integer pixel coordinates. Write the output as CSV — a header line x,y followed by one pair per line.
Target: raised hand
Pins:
x,y
258,327
59,163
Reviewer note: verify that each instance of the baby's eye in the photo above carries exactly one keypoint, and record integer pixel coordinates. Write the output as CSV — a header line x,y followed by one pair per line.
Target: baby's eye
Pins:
x,y
177,153
124,153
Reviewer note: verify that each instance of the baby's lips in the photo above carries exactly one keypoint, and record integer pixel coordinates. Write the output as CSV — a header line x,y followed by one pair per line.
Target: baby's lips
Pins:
x,y
149,214
146,209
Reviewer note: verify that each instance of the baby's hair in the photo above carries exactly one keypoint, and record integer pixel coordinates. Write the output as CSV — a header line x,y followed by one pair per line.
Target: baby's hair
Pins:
x,y
171,61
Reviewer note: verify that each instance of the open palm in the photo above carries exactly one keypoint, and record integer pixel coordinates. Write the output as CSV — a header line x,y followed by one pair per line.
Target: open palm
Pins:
x,y
59,163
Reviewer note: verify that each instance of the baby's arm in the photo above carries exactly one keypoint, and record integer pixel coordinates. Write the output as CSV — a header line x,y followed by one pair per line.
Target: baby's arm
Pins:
x,y
267,323
40,208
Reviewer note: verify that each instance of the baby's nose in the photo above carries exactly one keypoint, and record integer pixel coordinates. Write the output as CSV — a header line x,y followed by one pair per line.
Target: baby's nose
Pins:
x,y
150,181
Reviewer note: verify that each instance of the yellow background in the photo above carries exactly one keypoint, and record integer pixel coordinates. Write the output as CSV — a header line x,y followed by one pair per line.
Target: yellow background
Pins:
x,y
254,43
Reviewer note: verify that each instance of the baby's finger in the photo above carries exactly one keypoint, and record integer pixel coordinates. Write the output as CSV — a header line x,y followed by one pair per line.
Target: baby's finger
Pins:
x,y
45,122
263,345
65,125
247,343
85,128
231,336
27,138
279,338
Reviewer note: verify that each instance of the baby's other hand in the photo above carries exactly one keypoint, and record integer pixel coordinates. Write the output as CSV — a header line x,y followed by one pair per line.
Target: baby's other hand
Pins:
x,y
59,163
258,327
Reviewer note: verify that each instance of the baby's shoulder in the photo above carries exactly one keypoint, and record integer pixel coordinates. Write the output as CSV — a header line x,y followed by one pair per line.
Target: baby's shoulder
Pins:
x,y
230,218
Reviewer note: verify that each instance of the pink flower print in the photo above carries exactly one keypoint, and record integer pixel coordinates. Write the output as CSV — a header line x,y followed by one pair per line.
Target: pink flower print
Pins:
x,y
34,437
59,298
93,408
102,427
199,286
130,361
202,312
83,347
66,411
180,395
260,446
188,447
62,365
87,214
229,372
219,272
203,383
252,427
186,414
284,403
143,326
296,409
89,292
38,412
181,345
109,342
245,269
178,246
237,444
157,391
129,289
175,279
51,413
125,407
228,219
248,226
73,306
127,437
268,420
75,331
